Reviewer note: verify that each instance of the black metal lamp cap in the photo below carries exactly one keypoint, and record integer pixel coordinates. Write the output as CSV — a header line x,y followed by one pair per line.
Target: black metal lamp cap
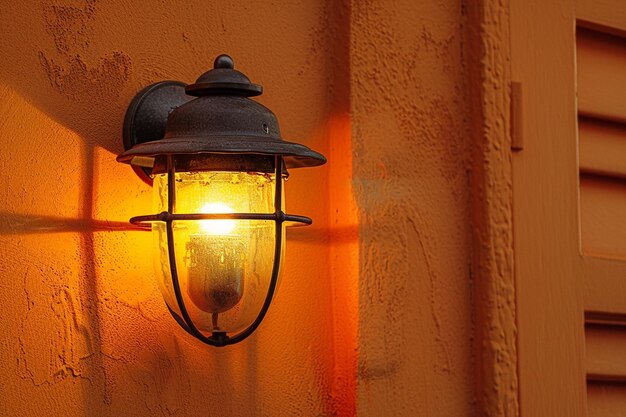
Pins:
x,y
220,129
223,79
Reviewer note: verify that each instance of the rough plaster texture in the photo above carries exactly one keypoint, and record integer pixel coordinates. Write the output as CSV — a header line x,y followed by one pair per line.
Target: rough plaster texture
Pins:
x,y
374,312
411,158
84,329
495,326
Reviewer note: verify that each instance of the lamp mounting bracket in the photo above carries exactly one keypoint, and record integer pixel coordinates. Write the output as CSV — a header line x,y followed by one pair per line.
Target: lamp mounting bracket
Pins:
x,y
146,117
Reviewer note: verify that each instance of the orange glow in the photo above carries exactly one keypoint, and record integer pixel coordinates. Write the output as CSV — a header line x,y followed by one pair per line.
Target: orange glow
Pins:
x,y
344,265
224,266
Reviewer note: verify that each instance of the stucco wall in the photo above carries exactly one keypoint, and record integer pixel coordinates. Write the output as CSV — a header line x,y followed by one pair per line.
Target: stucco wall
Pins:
x,y
373,314
411,175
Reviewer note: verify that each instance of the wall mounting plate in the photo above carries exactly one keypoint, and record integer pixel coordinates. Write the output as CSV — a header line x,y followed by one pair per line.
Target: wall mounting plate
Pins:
x,y
146,117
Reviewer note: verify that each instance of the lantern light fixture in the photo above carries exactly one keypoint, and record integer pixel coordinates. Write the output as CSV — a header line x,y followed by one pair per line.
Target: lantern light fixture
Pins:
x,y
217,163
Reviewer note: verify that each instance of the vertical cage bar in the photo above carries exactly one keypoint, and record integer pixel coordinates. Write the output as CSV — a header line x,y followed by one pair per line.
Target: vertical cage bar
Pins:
x,y
278,190
279,219
171,206
171,185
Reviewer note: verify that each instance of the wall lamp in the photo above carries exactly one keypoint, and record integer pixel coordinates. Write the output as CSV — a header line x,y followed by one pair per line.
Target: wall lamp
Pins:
x,y
217,163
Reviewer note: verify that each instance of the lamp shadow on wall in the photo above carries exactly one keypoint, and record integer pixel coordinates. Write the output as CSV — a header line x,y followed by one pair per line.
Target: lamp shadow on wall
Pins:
x,y
21,224
86,94
60,80
94,115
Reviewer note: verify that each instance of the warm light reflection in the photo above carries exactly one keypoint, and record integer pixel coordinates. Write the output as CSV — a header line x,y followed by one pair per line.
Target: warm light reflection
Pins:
x,y
345,262
217,227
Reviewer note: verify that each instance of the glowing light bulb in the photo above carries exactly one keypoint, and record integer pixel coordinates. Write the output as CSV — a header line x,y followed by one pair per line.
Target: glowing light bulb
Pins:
x,y
223,265
217,255
217,227
216,272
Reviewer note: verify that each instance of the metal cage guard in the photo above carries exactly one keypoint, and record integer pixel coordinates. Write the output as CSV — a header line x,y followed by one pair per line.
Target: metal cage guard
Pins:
x,y
220,339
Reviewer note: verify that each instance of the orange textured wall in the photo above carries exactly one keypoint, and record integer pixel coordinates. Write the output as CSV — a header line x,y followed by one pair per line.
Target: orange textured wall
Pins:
x,y
373,314
411,148
85,331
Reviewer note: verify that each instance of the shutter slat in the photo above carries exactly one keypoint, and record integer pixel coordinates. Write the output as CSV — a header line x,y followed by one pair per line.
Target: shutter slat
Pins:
x,y
601,77
602,147
606,352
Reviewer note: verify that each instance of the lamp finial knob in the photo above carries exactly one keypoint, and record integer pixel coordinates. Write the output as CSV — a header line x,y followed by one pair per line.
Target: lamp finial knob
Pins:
x,y
224,61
